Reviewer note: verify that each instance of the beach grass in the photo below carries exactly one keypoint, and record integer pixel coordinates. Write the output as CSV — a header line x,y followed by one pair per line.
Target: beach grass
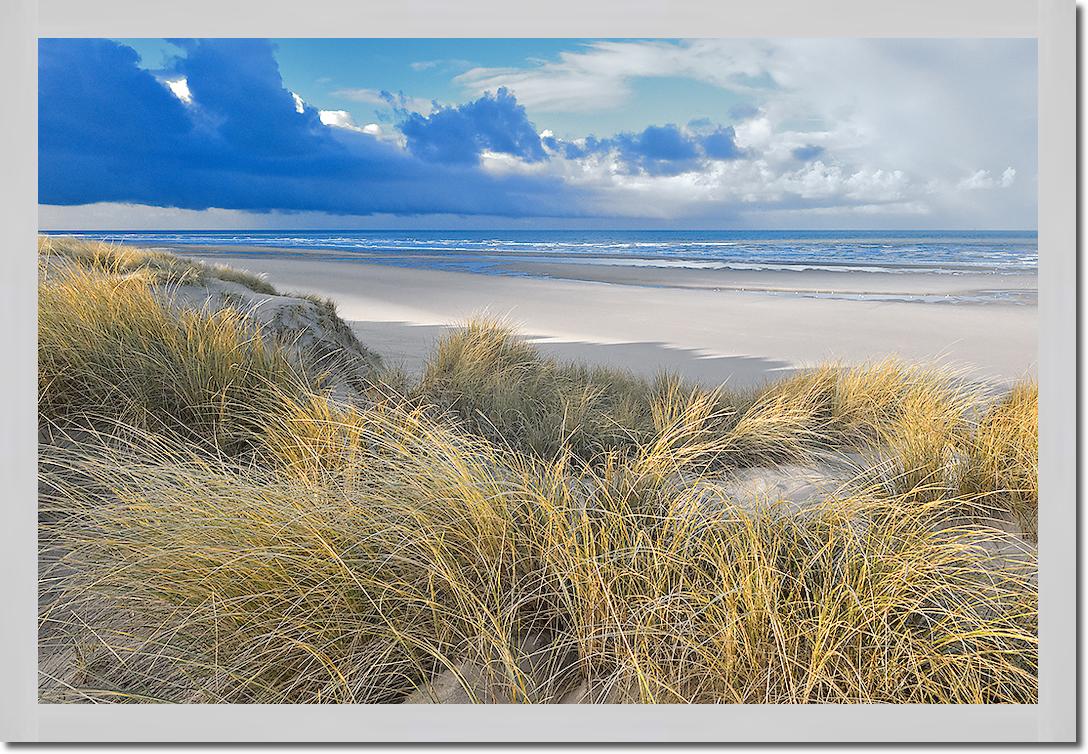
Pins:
x,y
216,528
1002,458
110,345
160,266
424,550
501,388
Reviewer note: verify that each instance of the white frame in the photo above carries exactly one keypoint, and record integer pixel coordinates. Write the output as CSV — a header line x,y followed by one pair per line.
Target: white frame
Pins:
x,y
1051,21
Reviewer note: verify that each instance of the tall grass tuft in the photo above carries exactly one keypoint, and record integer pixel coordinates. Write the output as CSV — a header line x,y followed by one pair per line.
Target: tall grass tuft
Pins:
x,y
503,389
1002,460
867,405
683,595
109,345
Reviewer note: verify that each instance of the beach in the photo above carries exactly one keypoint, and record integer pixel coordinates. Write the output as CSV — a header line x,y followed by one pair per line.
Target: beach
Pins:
x,y
733,326
496,525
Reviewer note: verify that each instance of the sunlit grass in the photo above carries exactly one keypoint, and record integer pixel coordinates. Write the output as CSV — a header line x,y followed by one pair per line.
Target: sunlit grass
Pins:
x,y
503,389
1002,458
110,345
205,581
160,267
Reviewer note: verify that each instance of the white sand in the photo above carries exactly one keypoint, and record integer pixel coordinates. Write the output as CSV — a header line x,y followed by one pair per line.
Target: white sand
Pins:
x,y
708,329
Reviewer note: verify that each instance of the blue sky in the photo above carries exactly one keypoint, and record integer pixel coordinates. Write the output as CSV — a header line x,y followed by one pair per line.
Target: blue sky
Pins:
x,y
331,74
747,133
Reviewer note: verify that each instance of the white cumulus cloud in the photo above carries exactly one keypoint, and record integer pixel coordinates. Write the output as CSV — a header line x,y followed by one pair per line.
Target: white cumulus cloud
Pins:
x,y
984,179
338,119
180,88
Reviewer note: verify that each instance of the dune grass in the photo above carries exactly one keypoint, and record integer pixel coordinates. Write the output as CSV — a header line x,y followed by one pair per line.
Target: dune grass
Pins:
x,y
426,550
222,531
503,389
160,268
1002,458
913,429
111,346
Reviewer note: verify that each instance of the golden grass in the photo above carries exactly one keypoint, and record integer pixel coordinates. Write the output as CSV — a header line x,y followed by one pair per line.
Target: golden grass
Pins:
x,y
501,388
505,502
160,267
1002,458
204,581
110,345
863,406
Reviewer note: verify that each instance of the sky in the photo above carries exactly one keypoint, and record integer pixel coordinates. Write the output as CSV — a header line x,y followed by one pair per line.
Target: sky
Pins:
x,y
537,133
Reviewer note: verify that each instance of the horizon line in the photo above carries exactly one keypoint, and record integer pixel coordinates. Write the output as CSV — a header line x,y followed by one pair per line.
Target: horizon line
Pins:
x,y
546,230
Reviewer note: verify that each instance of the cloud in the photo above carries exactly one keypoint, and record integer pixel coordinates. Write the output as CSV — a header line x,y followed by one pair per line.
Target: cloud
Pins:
x,y
983,179
932,109
665,143
743,111
443,63
343,119
219,129
980,179
338,119
657,150
807,152
110,131
381,98
495,123
721,144
95,104
600,74
180,88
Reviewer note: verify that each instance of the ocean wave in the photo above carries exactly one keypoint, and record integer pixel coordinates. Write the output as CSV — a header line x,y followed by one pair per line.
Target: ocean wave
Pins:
x,y
928,251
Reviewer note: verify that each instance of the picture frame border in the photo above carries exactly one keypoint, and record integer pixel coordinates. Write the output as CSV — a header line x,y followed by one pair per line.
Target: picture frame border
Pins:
x,y
1052,22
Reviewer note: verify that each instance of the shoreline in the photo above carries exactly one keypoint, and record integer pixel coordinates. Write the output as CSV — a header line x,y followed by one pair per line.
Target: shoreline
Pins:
x,y
696,327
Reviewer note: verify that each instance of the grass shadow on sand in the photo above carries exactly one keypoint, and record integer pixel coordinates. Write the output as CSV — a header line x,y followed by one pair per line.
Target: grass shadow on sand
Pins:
x,y
407,345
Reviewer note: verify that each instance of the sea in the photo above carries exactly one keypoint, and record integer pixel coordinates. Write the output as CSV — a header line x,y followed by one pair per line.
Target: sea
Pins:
x,y
492,251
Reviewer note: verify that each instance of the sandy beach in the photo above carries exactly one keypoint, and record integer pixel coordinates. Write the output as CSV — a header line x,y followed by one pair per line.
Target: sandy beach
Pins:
x,y
714,326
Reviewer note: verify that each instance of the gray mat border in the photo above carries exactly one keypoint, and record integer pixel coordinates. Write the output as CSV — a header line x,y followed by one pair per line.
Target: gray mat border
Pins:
x,y
1053,719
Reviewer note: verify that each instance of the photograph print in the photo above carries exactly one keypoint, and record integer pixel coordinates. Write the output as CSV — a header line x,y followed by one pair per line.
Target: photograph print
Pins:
x,y
546,371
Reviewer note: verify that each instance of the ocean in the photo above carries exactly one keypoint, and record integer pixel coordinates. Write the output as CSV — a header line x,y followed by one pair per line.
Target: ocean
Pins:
x,y
488,251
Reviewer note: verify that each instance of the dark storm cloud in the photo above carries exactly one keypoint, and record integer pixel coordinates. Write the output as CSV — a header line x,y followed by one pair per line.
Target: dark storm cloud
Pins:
x,y
110,131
